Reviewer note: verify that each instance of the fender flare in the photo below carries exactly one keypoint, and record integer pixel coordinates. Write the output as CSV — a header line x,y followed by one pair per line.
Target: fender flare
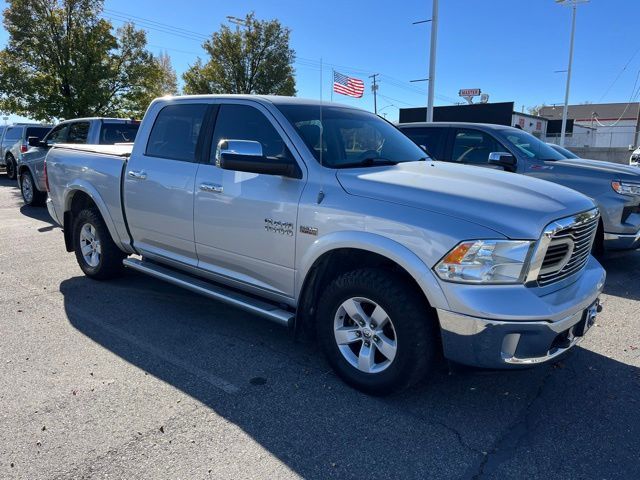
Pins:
x,y
394,251
79,185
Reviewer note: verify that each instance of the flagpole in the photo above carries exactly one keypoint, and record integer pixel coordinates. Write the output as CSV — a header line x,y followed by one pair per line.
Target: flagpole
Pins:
x,y
332,75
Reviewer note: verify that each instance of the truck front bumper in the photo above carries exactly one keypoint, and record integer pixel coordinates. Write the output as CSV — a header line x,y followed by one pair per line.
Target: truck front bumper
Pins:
x,y
618,241
558,321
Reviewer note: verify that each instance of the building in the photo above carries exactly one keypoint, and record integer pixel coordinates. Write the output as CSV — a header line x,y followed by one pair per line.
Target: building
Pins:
x,y
500,113
599,125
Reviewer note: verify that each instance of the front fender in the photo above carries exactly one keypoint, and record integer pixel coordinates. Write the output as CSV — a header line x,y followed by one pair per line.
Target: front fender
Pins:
x,y
383,246
80,185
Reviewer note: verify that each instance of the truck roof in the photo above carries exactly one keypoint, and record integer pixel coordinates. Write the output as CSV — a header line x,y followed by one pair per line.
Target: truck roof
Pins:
x,y
273,99
104,119
487,126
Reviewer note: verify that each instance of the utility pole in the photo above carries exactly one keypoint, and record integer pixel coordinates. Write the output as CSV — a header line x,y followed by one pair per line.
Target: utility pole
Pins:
x,y
574,5
374,89
432,61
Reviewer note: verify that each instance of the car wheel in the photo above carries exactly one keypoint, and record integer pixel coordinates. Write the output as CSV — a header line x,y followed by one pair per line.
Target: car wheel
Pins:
x,y
96,253
11,167
30,194
377,331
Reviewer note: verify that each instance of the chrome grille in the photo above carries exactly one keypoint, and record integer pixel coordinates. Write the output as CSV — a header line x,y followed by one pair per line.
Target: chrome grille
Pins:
x,y
569,249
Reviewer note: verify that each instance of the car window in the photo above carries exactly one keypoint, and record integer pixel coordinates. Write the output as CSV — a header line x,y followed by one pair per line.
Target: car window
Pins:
x,y
13,134
58,134
118,133
431,138
243,122
530,146
175,132
350,137
78,132
474,146
39,132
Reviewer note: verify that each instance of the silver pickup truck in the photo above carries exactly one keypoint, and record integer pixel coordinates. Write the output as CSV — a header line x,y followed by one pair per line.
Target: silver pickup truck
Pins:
x,y
329,219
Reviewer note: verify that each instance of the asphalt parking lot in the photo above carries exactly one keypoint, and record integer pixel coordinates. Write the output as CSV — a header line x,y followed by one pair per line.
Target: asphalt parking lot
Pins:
x,y
139,379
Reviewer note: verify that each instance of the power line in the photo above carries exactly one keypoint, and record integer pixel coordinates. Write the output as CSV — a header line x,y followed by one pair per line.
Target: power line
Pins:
x,y
619,75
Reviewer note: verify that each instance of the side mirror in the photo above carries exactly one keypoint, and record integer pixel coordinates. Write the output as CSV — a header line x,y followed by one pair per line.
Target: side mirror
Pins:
x,y
35,142
247,156
504,160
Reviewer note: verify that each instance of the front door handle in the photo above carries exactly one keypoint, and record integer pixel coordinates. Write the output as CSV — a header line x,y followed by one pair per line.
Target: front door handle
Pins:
x,y
211,187
137,174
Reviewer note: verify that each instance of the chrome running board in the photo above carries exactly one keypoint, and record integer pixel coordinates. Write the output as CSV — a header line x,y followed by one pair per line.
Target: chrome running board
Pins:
x,y
216,292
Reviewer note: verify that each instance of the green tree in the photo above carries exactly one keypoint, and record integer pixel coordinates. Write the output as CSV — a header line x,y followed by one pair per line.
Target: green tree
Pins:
x,y
254,59
63,60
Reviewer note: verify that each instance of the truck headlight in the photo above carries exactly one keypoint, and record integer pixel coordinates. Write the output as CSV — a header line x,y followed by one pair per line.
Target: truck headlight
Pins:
x,y
626,188
486,261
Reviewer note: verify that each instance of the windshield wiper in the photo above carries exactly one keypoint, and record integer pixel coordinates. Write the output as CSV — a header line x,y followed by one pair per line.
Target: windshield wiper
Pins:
x,y
369,162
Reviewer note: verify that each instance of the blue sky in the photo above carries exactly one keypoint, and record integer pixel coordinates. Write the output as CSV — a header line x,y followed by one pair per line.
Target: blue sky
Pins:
x,y
508,48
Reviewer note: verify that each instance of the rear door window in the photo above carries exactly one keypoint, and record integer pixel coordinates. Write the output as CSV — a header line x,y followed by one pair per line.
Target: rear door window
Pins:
x,y
38,132
474,146
431,138
111,133
78,132
13,134
175,132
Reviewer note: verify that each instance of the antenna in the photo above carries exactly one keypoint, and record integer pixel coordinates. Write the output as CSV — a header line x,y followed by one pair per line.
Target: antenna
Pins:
x,y
321,192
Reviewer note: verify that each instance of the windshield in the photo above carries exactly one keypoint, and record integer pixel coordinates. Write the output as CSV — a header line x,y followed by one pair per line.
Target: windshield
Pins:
x,y
564,152
350,137
530,146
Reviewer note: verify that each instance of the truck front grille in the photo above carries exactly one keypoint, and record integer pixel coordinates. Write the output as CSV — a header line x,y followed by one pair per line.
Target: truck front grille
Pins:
x,y
569,249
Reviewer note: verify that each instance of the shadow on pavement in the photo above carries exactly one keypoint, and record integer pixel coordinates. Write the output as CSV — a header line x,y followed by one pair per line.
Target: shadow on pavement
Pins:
x,y
618,266
39,213
575,419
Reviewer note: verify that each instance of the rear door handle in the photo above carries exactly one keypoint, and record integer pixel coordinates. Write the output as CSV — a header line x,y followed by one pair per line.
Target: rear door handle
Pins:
x,y
137,174
211,187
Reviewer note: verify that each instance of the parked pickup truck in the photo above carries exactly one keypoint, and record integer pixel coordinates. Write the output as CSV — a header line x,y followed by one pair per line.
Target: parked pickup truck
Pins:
x,y
327,218
95,130
614,188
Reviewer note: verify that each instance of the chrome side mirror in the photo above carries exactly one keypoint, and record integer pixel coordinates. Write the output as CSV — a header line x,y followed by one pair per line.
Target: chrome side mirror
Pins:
x,y
247,156
503,159
240,148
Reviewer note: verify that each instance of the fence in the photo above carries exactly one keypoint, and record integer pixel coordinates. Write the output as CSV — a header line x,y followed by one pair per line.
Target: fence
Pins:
x,y
596,139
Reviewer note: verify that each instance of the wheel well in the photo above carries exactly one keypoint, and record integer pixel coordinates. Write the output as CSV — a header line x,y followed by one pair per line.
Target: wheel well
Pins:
x,y
80,201
21,170
332,264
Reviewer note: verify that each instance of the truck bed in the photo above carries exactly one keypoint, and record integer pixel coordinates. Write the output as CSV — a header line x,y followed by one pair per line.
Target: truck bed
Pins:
x,y
96,170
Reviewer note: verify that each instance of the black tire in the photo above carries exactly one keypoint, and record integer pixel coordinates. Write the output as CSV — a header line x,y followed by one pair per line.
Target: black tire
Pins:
x,y
109,264
414,326
10,163
30,194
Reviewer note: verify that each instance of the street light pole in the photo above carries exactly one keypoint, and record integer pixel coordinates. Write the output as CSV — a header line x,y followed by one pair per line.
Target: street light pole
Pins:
x,y
574,7
432,61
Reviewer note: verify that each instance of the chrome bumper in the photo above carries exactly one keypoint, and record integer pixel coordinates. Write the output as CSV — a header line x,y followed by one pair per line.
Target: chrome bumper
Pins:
x,y
52,211
501,336
616,241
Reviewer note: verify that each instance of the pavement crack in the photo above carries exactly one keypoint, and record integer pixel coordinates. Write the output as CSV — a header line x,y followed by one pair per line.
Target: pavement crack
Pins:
x,y
505,447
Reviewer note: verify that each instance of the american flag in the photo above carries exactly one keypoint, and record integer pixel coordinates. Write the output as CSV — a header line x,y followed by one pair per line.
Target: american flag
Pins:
x,y
349,86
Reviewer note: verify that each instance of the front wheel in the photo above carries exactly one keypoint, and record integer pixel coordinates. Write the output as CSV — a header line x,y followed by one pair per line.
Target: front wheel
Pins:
x,y
30,194
377,331
96,253
11,167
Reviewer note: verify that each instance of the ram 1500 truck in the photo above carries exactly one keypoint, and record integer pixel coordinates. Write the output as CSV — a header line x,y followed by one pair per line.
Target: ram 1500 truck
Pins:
x,y
79,131
329,219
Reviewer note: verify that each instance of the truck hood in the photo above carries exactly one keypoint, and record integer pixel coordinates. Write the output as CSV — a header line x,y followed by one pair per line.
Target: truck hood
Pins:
x,y
616,171
513,205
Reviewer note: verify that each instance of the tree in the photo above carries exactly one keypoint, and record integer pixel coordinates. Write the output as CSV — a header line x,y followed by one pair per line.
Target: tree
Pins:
x,y
63,61
535,110
256,59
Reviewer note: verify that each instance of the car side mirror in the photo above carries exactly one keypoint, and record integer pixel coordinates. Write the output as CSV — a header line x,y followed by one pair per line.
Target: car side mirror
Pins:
x,y
35,142
503,159
247,156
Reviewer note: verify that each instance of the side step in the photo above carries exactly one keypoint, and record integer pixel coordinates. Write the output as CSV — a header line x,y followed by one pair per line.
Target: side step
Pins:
x,y
216,292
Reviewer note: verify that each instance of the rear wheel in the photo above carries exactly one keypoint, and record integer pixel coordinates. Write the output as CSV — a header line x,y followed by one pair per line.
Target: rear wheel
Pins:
x,y
30,194
376,331
10,166
96,253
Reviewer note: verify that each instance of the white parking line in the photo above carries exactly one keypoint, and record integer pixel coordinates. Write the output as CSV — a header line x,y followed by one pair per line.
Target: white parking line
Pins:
x,y
203,375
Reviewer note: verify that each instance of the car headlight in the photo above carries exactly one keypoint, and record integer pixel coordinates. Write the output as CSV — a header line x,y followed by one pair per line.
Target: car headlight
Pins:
x,y
486,261
626,188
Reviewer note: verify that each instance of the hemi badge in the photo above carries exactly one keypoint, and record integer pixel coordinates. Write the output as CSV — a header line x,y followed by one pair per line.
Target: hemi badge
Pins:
x,y
308,230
